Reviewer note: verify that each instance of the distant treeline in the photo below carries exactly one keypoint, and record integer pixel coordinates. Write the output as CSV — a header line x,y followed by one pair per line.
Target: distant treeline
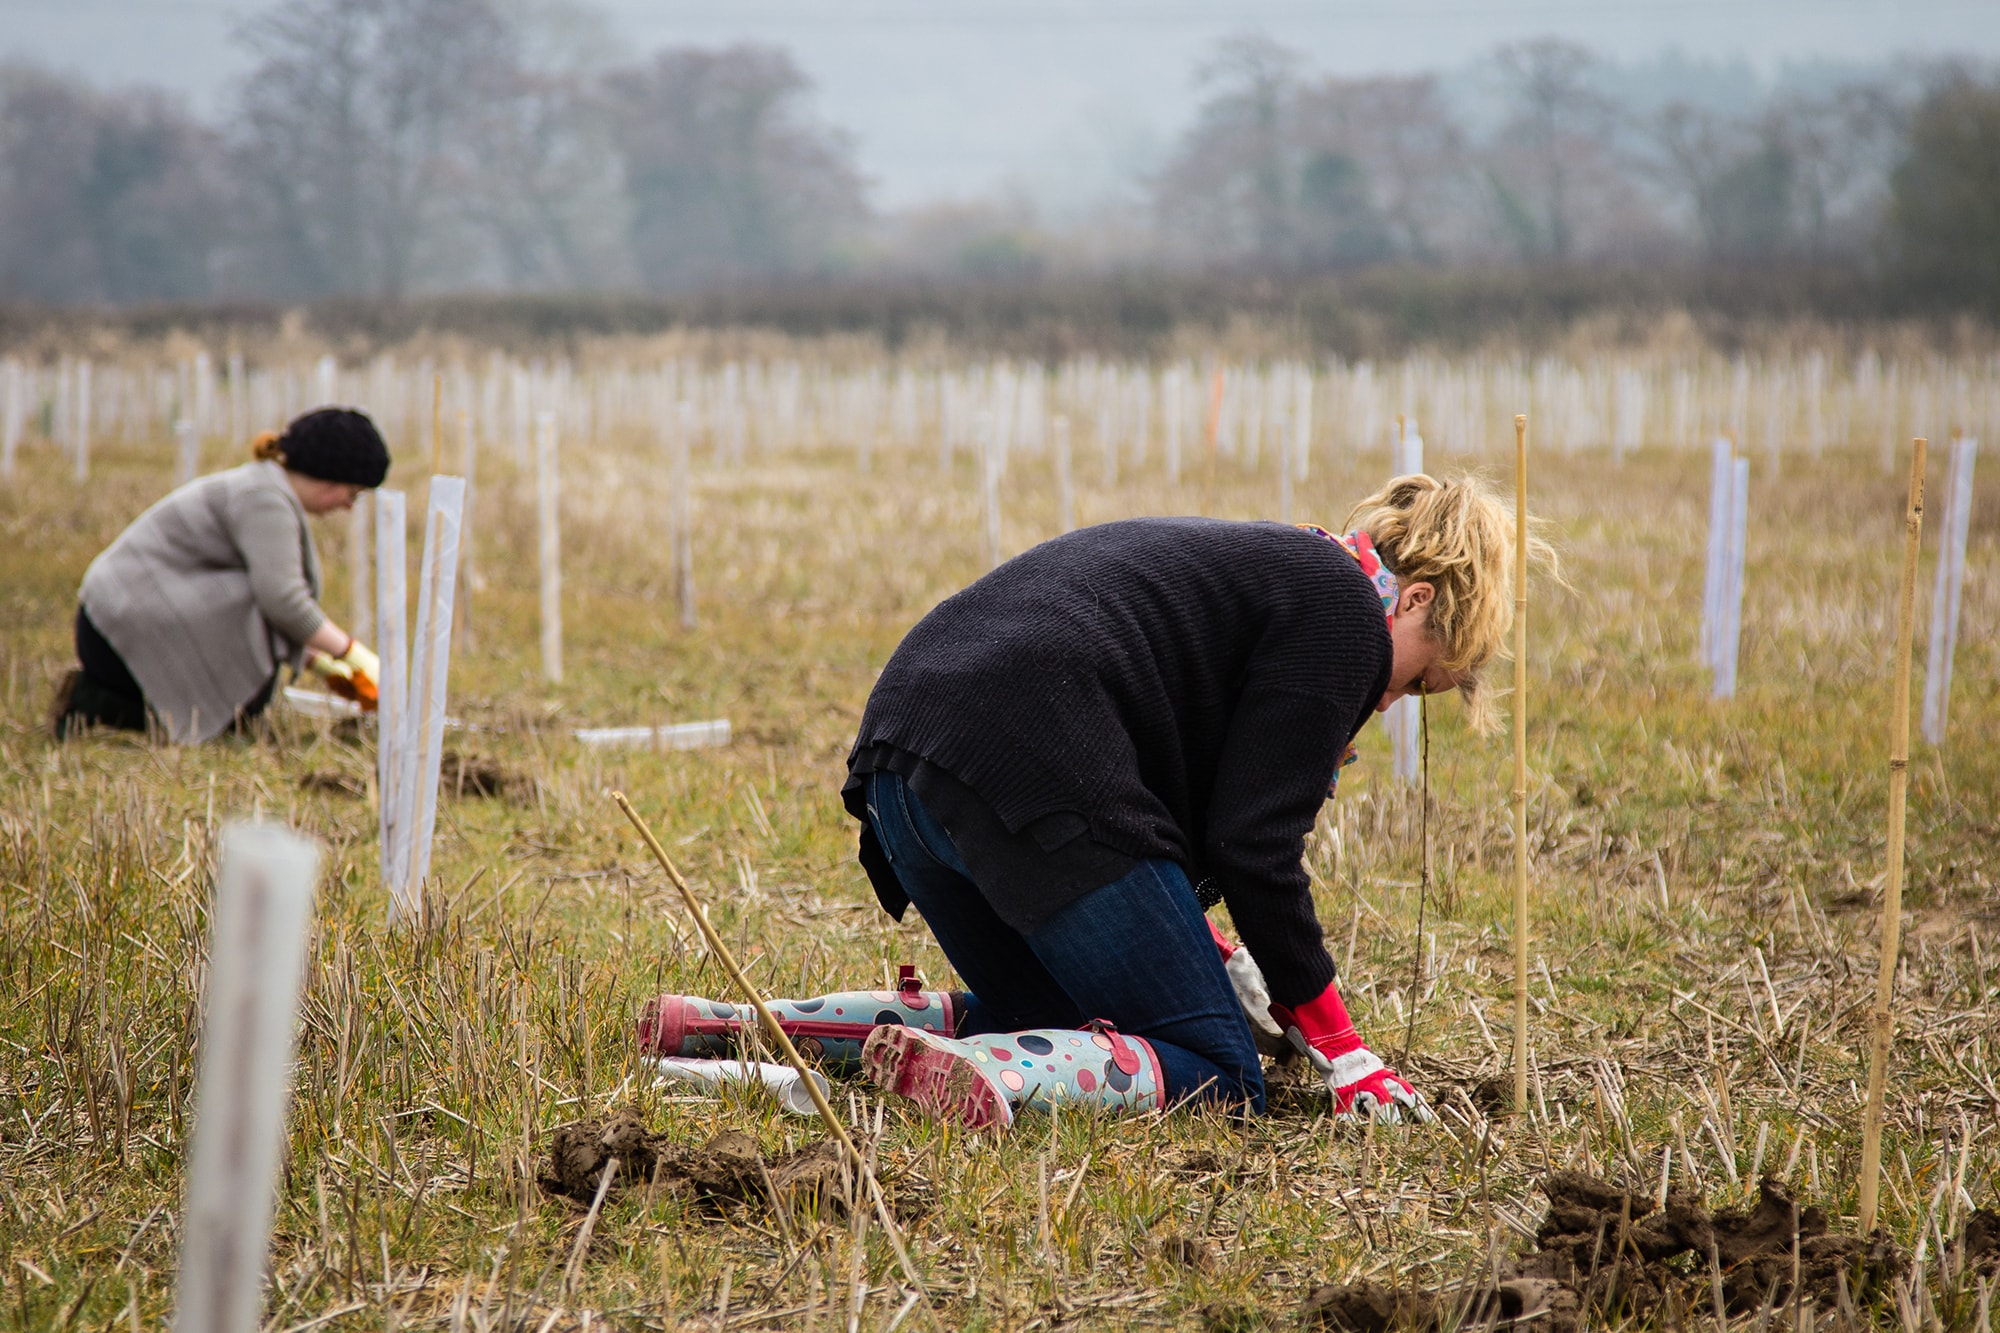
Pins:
x,y
1374,312
389,150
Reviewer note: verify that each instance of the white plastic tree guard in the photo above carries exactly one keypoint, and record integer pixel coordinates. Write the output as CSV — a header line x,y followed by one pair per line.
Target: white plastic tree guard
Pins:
x,y
1949,587
1730,629
1401,721
1722,477
263,912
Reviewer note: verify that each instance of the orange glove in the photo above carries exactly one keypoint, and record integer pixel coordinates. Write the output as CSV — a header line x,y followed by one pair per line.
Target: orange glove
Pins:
x,y
353,675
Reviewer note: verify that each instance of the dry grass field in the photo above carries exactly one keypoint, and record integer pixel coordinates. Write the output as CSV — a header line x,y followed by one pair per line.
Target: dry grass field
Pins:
x,y
1705,885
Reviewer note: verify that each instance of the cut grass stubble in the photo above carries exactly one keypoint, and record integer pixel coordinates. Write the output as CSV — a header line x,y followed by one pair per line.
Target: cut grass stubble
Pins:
x,y
1704,885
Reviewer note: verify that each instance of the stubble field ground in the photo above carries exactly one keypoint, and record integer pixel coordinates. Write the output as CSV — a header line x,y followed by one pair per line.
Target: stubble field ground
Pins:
x,y
1705,886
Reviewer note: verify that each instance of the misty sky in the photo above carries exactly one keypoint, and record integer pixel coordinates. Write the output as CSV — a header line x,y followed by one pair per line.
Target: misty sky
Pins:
x,y
1060,99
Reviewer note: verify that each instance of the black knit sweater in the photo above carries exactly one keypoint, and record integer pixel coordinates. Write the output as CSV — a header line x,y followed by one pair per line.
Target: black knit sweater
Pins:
x,y
1181,687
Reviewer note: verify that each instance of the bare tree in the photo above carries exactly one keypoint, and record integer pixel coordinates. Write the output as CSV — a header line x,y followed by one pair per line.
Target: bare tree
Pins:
x,y
1944,205
1402,136
352,128
1231,185
104,197
1842,145
1554,151
1692,149
726,175
545,185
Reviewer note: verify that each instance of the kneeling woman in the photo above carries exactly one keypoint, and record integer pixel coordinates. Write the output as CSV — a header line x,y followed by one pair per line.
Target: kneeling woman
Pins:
x,y
188,614
1066,763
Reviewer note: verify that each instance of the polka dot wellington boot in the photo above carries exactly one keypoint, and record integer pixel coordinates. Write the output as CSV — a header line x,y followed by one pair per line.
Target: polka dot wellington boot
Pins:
x,y
827,1028
980,1082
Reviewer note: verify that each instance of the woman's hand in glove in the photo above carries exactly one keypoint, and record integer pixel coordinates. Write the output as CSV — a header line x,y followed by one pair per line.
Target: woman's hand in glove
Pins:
x,y
1363,1087
355,674
1251,993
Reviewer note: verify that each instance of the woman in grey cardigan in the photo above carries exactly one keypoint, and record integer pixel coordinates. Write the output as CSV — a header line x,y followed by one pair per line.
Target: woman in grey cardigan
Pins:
x,y
189,613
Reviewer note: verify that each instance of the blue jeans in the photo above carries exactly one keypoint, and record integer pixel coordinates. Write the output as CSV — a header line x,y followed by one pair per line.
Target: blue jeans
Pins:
x,y
1136,953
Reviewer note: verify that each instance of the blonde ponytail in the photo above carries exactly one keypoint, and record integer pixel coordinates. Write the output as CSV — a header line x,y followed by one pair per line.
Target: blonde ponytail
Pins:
x,y
1457,536
266,447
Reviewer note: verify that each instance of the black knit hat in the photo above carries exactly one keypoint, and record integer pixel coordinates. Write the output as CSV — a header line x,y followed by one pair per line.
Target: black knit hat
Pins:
x,y
335,444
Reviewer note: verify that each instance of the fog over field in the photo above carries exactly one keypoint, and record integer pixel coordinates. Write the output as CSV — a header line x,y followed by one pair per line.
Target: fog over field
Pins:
x,y
1063,99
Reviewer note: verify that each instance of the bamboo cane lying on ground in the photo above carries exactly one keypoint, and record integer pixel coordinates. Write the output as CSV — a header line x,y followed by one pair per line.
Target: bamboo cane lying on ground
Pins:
x,y
784,1044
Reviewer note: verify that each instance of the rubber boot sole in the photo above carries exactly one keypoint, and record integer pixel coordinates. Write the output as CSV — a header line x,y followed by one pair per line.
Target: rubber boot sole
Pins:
x,y
946,1083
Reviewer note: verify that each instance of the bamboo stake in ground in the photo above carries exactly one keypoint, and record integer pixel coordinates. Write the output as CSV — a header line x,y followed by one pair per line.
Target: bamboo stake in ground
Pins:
x,y
1884,1019
1520,764
782,1041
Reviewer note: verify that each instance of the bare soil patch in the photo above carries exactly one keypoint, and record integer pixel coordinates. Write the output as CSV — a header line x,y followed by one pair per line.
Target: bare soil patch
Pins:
x,y
727,1170
1612,1250
334,783
482,775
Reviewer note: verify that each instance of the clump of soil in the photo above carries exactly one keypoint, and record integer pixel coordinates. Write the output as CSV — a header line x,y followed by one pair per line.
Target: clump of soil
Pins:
x,y
480,775
1369,1307
458,774
723,1171
1981,1241
1196,1163
1755,1249
578,1153
1612,1250
1493,1095
332,782
1189,1252
1233,1317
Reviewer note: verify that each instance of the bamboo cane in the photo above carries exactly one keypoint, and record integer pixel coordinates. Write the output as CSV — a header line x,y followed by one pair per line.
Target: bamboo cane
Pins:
x,y
1520,764
784,1044
1884,1019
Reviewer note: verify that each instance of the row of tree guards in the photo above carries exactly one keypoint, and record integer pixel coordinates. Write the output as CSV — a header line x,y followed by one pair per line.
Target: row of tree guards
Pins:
x,y
263,912
1121,415
740,410
1728,541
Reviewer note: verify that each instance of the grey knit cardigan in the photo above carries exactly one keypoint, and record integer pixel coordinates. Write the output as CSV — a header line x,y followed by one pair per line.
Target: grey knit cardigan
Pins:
x,y
206,593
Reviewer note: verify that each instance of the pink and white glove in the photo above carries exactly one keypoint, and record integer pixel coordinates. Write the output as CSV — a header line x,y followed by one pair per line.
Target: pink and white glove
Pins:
x,y
1251,993
1363,1087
